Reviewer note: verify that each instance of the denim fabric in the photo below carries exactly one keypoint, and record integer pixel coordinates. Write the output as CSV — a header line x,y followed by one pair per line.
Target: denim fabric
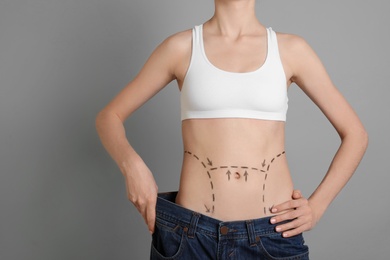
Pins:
x,y
184,234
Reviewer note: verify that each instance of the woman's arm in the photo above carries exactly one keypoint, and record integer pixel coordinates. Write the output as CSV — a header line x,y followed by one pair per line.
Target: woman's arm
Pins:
x,y
160,69
310,75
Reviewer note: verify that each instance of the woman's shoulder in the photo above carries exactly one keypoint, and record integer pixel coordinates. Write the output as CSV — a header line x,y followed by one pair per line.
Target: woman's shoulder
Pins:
x,y
293,50
179,41
292,43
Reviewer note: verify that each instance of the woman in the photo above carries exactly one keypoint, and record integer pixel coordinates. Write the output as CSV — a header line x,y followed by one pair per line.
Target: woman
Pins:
x,y
235,196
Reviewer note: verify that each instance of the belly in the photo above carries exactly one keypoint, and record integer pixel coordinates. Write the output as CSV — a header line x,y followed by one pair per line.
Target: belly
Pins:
x,y
234,174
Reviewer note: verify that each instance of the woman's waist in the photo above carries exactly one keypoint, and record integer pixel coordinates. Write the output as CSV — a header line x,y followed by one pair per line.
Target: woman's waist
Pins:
x,y
230,192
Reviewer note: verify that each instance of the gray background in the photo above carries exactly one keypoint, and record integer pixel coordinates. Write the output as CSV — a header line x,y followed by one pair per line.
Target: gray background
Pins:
x,y
63,197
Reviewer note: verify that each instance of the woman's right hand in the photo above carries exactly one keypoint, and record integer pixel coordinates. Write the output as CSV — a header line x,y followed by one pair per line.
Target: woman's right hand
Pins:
x,y
142,192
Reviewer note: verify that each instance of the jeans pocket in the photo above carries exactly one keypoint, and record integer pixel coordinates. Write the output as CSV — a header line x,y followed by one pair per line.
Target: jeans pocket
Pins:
x,y
275,246
167,240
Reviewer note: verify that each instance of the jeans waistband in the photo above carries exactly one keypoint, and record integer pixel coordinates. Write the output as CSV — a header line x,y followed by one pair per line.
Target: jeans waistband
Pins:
x,y
194,221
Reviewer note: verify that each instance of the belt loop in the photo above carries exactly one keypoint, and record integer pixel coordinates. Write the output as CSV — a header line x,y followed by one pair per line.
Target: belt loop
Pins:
x,y
251,232
194,222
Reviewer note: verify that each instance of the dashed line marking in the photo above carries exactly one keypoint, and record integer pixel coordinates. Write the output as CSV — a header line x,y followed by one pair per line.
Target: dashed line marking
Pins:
x,y
265,177
235,166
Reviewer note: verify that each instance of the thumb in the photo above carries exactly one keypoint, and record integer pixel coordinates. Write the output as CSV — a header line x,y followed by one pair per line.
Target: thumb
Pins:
x,y
297,194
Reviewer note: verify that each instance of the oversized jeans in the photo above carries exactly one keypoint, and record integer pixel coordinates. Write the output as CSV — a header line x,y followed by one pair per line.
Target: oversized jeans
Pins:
x,y
181,233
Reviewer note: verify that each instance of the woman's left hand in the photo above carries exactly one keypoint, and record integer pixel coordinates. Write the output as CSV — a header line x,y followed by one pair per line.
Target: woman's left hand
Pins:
x,y
299,211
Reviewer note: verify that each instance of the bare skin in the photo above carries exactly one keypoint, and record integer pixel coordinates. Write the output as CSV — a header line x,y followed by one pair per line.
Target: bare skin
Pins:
x,y
223,159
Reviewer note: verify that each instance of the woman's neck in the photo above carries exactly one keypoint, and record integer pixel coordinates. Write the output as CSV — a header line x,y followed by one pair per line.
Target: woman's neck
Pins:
x,y
234,18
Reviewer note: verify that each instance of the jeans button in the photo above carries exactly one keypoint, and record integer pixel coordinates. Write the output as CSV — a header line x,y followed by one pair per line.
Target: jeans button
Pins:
x,y
224,230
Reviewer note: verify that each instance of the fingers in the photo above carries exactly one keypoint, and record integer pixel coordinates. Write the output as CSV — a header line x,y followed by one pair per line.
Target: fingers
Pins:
x,y
147,208
293,228
150,216
299,212
286,216
148,212
289,205
298,225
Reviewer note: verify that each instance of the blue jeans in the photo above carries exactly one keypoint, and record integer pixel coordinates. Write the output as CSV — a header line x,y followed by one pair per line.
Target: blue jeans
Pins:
x,y
181,233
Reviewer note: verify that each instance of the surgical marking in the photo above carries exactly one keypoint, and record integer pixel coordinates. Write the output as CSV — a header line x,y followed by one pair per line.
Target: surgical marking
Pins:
x,y
237,175
209,162
265,178
246,175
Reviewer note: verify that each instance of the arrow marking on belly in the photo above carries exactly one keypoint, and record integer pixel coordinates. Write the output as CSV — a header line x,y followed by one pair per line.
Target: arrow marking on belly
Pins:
x,y
209,162
228,174
246,175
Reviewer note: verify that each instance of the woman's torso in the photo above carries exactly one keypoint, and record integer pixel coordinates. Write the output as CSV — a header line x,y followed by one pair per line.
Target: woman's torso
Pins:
x,y
234,168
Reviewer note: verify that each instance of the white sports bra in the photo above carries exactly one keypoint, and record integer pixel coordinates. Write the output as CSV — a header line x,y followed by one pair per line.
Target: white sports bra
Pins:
x,y
209,92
